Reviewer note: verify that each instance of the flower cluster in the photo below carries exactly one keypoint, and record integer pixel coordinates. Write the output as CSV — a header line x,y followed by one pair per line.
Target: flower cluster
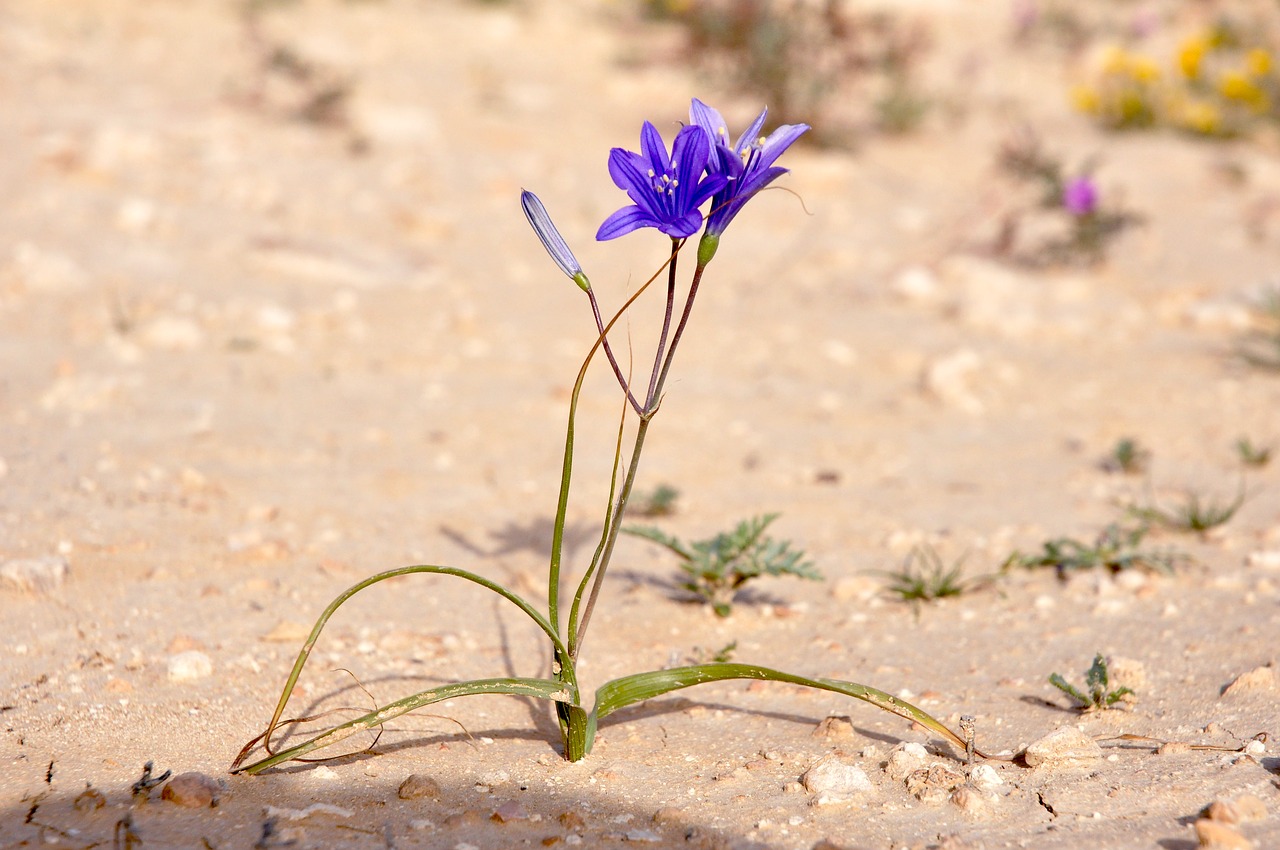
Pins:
x,y
1219,83
668,190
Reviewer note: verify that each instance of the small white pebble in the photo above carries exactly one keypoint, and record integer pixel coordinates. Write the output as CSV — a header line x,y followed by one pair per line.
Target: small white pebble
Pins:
x,y
985,776
189,666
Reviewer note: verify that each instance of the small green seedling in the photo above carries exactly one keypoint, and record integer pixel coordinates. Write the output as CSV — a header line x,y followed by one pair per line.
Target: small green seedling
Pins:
x,y
722,655
1251,455
1097,682
718,566
658,502
931,579
1194,514
1128,456
1117,548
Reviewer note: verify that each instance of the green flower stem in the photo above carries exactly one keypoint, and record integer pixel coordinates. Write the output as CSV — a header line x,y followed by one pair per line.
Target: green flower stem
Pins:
x,y
652,402
655,396
611,538
606,525
676,244
566,468
608,351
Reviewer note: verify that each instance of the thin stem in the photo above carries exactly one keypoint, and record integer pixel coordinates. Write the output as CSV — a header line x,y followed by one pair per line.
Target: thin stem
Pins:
x,y
651,407
604,536
654,394
566,469
615,526
666,323
608,351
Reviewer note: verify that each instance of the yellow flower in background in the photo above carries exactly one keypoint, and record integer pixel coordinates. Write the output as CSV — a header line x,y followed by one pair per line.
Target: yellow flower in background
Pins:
x,y
1086,99
1143,68
1113,60
1214,84
1257,62
1191,56
1133,109
1236,86
1202,117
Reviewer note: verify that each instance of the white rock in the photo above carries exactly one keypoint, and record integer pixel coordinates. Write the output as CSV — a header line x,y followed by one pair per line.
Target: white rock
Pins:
x,y
1267,559
992,296
493,777
172,333
948,378
1063,747
189,666
38,269
35,575
916,283
835,778
985,776
905,758
1218,315
313,809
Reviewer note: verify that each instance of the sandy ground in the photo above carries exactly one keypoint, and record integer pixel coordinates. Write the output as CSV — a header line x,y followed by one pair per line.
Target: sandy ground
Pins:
x,y
247,360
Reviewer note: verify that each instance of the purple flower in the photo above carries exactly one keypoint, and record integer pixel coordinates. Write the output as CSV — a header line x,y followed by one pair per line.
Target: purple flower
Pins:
x,y
1080,196
667,190
748,164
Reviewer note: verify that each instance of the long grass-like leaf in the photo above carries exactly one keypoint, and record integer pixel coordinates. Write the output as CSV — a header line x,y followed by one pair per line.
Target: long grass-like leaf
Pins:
x,y
539,688
333,606
629,690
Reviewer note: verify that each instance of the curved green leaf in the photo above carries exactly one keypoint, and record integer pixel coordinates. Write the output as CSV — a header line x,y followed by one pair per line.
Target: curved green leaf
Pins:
x,y
638,687
333,606
539,688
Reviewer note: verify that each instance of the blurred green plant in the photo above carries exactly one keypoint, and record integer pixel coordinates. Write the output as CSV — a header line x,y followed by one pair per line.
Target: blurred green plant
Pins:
x,y
1116,548
809,61
1127,456
1070,201
1252,455
287,82
717,567
1098,693
1195,513
925,578
658,502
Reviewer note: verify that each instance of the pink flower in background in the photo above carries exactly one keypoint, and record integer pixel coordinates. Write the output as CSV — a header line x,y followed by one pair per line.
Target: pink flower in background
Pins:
x,y
1080,196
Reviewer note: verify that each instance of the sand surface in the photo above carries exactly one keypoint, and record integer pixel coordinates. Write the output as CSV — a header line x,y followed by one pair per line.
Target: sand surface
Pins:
x,y
247,360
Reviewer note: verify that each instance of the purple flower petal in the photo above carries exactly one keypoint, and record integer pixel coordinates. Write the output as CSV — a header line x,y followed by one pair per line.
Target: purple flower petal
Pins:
x,y
624,221
546,230
667,190
748,165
